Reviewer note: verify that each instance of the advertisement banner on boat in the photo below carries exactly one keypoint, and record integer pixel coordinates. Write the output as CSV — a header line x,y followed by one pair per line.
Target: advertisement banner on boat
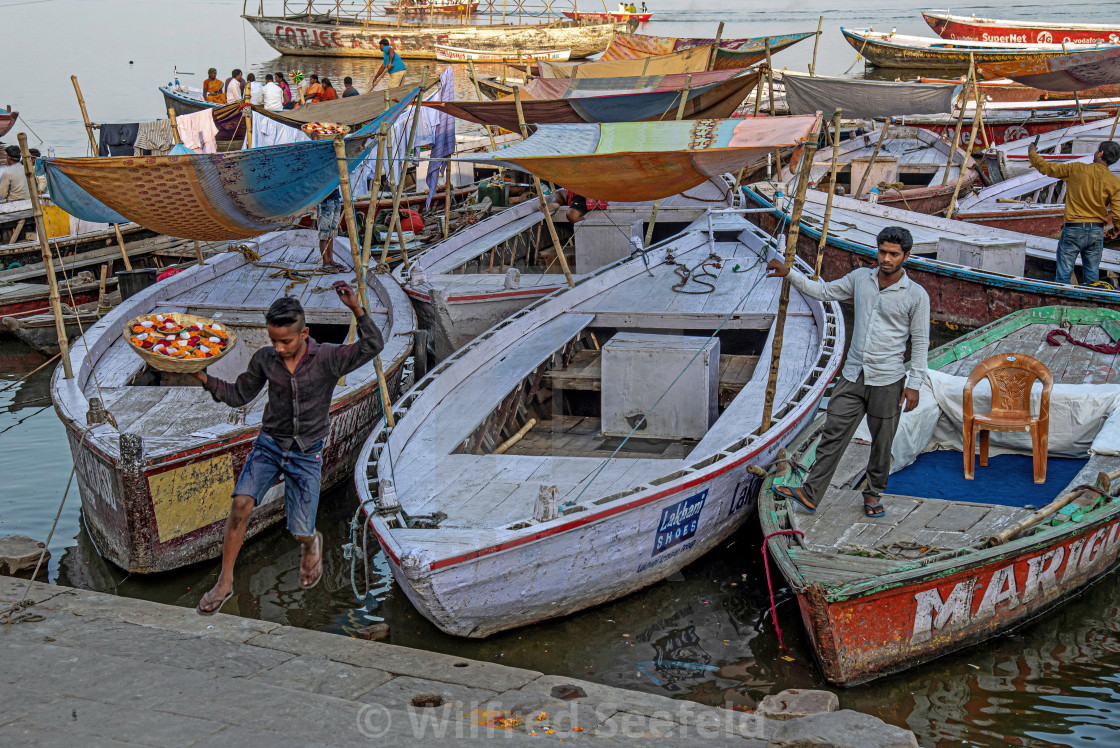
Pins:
x,y
679,522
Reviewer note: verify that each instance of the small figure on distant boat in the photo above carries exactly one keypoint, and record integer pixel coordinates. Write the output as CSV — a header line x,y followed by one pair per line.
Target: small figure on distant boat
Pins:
x,y
301,375
272,96
212,88
234,90
330,214
329,94
631,8
621,8
314,89
348,88
644,10
13,183
890,308
392,64
578,205
1091,190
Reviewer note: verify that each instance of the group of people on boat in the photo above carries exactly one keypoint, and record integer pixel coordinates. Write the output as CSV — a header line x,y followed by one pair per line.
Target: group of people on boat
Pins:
x,y
630,8
13,182
275,93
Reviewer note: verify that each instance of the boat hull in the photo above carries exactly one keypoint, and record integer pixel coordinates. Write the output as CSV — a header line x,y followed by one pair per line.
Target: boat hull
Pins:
x,y
858,638
1000,131
991,30
295,37
888,55
183,105
455,54
7,120
616,17
1045,221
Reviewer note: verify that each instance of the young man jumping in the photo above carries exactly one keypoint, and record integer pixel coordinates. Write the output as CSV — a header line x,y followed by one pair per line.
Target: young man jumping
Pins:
x,y
889,309
301,374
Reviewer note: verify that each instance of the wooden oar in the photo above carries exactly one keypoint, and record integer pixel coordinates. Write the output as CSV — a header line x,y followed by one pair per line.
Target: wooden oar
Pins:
x,y
816,41
374,192
953,145
874,155
85,116
831,192
971,145
1104,482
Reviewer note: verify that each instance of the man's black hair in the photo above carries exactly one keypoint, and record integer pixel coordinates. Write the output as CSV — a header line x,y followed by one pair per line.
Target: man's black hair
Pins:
x,y
236,72
252,78
285,312
268,77
348,81
895,235
383,42
13,152
1110,151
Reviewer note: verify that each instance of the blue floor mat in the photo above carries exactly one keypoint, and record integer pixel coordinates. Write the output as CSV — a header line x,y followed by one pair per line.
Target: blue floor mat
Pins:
x,y
1008,480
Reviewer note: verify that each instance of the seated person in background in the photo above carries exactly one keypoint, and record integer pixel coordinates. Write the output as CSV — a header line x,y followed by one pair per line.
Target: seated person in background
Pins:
x,y
256,90
329,94
314,89
272,96
280,81
578,205
213,90
233,87
13,183
349,89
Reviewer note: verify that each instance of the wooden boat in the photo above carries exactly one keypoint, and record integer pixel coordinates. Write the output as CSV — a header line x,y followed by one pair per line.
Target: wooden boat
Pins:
x,y
184,101
485,532
496,86
155,485
430,7
614,16
1005,89
24,299
909,169
1005,125
1029,203
38,331
324,35
469,282
7,120
731,54
1077,71
959,294
901,51
878,596
457,54
1010,158
975,29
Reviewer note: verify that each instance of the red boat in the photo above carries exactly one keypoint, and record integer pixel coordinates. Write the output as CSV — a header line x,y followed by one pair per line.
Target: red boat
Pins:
x,y
1005,89
7,119
1003,126
612,16
973,29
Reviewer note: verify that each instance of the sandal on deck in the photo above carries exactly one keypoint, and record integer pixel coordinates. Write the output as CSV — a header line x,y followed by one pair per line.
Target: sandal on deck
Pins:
x,y
873,510
216,608
334,267
797,495
317,570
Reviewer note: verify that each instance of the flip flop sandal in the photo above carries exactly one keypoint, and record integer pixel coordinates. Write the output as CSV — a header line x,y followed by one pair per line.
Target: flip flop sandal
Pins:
x,y
334,267
795,494
215,609
318,569
873,510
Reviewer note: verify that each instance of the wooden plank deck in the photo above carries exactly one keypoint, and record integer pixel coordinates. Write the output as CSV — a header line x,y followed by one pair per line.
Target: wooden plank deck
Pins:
x,y
1068,363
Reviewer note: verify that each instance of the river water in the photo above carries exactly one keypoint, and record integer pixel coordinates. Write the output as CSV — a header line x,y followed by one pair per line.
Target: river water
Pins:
x,y
707,633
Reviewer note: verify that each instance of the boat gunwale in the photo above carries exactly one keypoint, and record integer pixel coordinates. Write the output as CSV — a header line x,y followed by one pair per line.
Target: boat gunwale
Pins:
x,y
1011,25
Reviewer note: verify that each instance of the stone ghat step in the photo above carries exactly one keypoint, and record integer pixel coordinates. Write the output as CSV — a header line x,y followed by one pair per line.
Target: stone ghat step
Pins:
x,y
86,668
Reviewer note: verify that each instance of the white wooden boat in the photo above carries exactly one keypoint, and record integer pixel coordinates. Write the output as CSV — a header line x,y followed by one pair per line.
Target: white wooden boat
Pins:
x,y
156,481
464,285
484,538
1010,159
459,54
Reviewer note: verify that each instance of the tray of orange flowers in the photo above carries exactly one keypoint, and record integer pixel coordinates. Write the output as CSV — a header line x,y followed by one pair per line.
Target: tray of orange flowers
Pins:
x,y
178,343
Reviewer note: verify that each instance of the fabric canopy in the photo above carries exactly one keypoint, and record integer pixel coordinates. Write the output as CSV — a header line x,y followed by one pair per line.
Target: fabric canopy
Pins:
x,y
636,161
686,61
1078,71
574,88
857,98
212,197
733,53
352,111
715,100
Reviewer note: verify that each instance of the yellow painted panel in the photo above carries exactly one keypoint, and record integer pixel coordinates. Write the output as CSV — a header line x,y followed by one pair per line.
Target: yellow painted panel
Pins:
x,y
192,496
57,221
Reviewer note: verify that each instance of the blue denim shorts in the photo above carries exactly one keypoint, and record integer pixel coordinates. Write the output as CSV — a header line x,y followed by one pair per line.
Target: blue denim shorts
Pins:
x,y
302,472
330,213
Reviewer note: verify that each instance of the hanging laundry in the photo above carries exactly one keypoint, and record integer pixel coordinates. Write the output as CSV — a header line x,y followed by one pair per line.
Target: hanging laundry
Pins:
x,y
198,131
443,134
267,131
154,138
117,140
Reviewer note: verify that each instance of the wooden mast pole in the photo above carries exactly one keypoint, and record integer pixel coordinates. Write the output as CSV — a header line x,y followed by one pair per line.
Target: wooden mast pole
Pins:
x,y
715,48
45,248
783,302
773,109
540,196
831,192
816,41
758,89
874,155
971,145
174,126
680,114
374,193
965,94
1115,120
398,188
85,116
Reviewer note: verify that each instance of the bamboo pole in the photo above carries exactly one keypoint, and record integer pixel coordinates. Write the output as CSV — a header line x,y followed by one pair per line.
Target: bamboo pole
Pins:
x,y
773,109
198,253
45,248
374,193
965,94
874,155
349,215
758,89
174,126
85,116
540,196
501,450
104,280
715,48
398,188
831,193
1051,508
971,145
1115,120
247,115
120,243
478,95
447,199
816,41
1077,101
680,115
783,303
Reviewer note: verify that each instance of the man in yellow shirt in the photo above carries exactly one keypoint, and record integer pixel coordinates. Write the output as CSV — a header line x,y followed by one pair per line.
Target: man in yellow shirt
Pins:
x,y
1091,189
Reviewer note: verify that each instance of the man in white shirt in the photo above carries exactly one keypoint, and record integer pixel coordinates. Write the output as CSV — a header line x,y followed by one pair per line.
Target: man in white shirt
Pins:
x,y
13,182
234,91
256,91
272,96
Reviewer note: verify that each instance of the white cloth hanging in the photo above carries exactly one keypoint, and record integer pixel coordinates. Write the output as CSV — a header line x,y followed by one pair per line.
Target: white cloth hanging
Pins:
x,y
198,131
267,131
